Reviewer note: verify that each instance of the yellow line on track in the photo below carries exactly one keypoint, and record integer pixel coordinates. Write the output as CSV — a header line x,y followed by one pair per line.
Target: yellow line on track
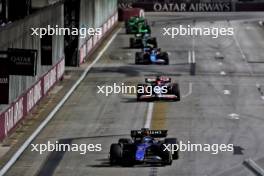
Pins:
x,y
159,116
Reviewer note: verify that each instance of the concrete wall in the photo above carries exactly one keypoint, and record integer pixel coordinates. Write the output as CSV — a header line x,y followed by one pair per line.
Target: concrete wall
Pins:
x,y
96,14
18,35
27,91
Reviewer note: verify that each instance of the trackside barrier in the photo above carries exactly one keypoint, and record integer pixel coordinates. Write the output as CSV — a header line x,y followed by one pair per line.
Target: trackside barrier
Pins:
x,y
13,114
90,44
192,62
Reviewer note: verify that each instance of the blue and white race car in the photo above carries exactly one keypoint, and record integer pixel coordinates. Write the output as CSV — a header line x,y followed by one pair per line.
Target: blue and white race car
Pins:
x,y
152,56
146,146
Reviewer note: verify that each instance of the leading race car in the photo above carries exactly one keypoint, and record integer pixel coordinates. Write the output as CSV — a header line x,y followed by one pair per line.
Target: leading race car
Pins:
x,y
151,55
134,20
146,146
142,41
140,27
158,88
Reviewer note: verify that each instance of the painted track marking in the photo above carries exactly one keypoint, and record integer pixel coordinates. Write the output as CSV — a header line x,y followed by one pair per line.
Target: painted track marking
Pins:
x,y
19,152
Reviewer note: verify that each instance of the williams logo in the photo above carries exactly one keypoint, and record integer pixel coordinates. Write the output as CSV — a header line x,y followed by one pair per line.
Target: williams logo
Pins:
x,y
3,80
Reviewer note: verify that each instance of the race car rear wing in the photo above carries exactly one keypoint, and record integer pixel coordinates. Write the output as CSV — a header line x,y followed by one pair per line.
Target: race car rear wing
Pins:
x,y
153,80
150,80
152,133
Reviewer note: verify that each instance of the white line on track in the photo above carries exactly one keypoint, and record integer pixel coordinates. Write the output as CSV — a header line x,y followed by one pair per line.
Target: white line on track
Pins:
x,y
189,92
239,47
234,116
255,167
149,115
227,92
189,57
54,111
223,73
193,56
242,53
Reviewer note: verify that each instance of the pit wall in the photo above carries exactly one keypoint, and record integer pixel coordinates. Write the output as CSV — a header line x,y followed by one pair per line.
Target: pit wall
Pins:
x,y
26,91
18,109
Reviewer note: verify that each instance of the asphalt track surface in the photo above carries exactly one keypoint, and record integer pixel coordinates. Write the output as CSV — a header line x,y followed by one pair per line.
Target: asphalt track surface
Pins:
x,y
221,104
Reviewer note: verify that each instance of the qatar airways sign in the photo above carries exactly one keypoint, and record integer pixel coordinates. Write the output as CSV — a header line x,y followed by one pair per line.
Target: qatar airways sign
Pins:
x,y
174,6
192,7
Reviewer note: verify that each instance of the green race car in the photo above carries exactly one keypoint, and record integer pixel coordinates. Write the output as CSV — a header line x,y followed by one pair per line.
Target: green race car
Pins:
x,y
137,25
135,20
143,40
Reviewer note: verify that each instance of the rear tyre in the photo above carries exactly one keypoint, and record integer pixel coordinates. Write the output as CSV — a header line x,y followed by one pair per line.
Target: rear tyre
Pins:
x,y
125,141
128,158
173,141
155,43
165,56
137,59
167,157
115,154
132,42
175,90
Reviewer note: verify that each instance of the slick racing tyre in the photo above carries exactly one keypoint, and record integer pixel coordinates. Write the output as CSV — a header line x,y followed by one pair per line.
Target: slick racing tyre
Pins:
x,y
115,154
176,91
137,59
125,141
131,42
167,157
173,141
128,158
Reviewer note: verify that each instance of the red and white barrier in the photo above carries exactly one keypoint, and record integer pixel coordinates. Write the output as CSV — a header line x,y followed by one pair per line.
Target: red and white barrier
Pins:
x,y
93,42
18,110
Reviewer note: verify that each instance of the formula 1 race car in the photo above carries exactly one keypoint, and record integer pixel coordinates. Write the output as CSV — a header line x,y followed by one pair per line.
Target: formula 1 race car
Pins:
x,y
159,88
142,41
139,26
146,146
134,20
152,56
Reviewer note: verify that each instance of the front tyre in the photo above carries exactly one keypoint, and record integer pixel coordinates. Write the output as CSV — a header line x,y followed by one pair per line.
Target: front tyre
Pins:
x,y
115,154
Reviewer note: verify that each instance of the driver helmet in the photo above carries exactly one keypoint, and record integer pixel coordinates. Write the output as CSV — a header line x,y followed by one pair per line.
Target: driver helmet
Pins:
x,y
145,132
147,140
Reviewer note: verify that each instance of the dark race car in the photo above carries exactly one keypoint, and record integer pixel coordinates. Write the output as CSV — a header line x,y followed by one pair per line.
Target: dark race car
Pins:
x,y
159,88
152,55
142,41
146,146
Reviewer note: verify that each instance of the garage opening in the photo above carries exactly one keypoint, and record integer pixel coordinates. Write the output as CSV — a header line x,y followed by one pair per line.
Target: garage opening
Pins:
x,y
71,20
